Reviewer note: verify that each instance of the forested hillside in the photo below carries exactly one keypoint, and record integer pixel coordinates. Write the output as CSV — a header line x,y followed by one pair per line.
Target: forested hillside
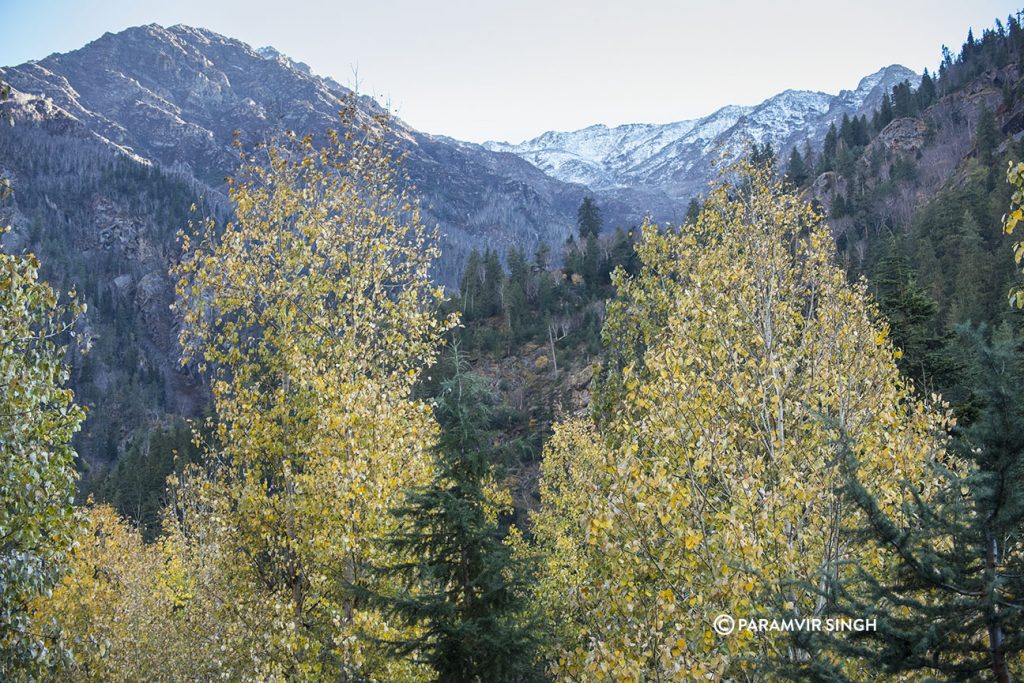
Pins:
x,y
600,457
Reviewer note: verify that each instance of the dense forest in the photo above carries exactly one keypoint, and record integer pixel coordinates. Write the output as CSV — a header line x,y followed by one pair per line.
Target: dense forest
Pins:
x,y
802,402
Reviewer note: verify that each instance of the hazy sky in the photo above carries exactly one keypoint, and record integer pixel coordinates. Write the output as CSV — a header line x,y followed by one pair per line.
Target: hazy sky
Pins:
x,y
510,70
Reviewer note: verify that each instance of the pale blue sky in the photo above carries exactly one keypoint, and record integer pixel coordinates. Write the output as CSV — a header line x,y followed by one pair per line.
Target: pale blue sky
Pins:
x,y
509,70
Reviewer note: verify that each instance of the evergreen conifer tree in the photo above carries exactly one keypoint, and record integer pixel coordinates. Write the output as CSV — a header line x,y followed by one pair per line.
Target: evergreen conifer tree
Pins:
x,y
797,169
925,91
966,258
471,286
913,322
514,298
884,114
986,136
462,586
954,610
808,155
494,281
903,100
588,218
828,150
692,211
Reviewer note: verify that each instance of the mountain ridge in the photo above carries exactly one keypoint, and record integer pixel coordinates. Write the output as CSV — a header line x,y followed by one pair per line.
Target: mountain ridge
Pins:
x,y
678,157
175,97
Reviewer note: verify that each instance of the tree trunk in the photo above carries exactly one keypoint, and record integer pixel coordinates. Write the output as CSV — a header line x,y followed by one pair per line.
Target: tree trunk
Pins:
x,y
554,359
996,645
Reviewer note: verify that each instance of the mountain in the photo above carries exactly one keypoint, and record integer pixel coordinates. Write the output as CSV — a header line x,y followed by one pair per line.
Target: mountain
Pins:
x,y
174,96
113,143
677,158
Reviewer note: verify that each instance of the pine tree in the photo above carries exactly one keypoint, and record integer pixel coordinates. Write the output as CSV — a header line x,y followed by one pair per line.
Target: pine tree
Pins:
x,y
542,256
884,115
828,150
965,256
797,169
925,92
514,295
623,251
592,263
955,607
903,100
471,286
808,155
986,136
692,211
763,156
913,322
846,132
493,282
861,137
588,219
462,589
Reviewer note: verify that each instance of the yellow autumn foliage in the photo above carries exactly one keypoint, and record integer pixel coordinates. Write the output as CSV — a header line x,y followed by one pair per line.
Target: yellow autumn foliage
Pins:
x,y
709,485
314,313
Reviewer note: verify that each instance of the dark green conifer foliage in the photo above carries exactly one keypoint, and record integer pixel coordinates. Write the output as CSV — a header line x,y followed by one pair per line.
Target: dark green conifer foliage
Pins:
x,y
846,132
542,256
797,169
986,136
884,115
955,610
911,311
136,485
494,281
861,135
925,92
592,263
692,211
588,219
808,156
828,150
763,155
514,297
966,252
903,101
461,584
471,286
623,251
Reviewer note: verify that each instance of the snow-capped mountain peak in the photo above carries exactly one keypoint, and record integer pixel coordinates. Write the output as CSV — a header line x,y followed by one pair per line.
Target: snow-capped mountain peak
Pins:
x,y
676,157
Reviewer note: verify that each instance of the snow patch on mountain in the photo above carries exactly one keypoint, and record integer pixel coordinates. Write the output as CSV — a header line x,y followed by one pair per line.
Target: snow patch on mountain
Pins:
x,y
679,158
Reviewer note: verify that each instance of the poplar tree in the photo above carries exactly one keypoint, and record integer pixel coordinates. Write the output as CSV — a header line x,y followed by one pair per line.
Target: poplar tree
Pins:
x,y
38,417
314,313
707,481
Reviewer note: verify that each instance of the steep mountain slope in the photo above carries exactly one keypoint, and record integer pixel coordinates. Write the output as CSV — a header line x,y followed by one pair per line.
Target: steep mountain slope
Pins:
x,y
114,142
175,96
677,158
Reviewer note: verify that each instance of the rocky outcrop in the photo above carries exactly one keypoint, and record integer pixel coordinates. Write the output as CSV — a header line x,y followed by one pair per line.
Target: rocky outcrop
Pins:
x,y
901,136
826,188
